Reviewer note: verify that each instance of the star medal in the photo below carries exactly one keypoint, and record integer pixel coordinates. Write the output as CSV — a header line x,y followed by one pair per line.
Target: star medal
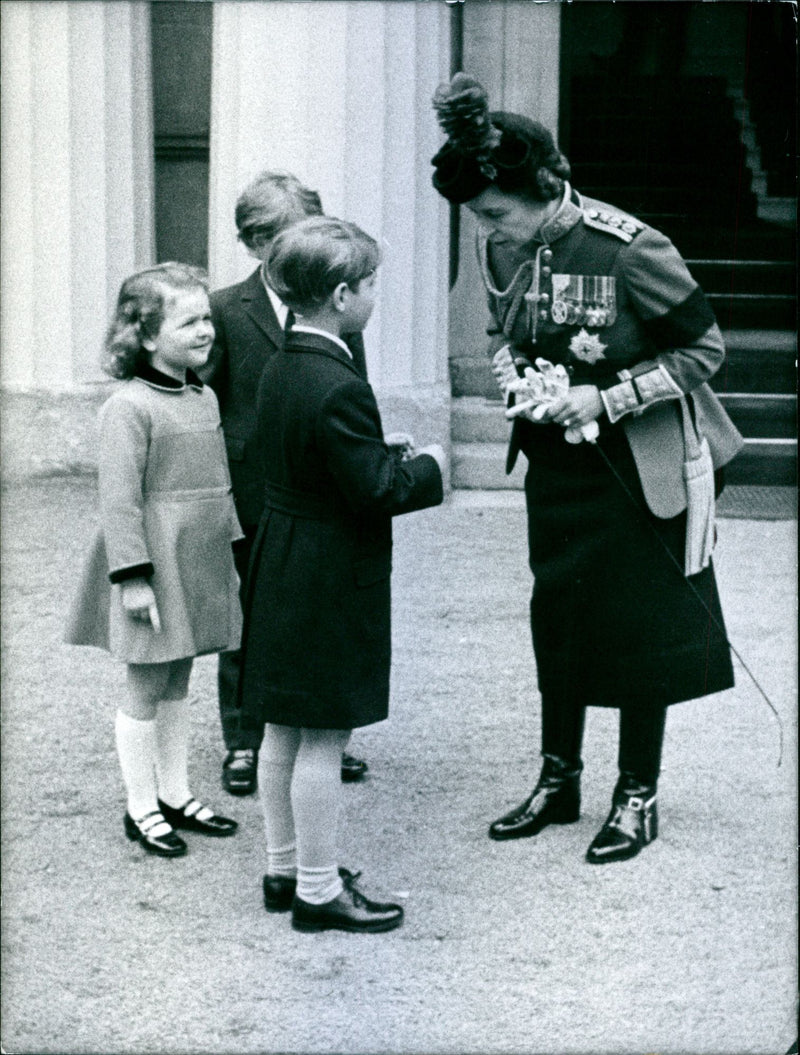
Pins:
x,y
587,346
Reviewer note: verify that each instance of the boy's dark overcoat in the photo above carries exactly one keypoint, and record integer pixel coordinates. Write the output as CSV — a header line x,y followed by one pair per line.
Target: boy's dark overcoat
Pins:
x,y
317,640
247,335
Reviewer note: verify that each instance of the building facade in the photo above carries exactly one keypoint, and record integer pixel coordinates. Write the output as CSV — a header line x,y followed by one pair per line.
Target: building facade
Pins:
x,y
128,129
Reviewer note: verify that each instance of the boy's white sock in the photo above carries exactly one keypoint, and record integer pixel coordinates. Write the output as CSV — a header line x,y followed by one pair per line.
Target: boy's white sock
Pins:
x,y
172,752
316,886
282,861
275,765
136,748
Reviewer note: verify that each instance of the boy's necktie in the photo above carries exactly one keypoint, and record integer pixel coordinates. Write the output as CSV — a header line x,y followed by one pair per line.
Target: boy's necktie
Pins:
x,y
290,320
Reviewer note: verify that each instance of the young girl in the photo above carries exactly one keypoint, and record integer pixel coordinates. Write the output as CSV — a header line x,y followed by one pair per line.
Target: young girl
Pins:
x,y
316,651
160,586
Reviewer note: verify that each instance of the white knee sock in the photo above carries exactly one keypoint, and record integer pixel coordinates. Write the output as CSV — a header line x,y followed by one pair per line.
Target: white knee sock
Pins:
x,y
172,752
275,766
316,794
136,747
282,860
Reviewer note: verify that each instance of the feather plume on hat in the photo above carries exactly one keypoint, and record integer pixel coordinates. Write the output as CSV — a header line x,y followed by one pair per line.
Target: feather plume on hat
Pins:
x,y
462,109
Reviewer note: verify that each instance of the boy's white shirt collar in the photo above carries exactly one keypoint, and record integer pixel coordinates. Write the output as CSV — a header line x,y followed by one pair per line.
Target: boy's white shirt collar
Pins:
x,y
278,306
298,327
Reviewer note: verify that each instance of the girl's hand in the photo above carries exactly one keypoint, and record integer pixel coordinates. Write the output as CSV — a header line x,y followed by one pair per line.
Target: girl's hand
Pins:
x,y
139,602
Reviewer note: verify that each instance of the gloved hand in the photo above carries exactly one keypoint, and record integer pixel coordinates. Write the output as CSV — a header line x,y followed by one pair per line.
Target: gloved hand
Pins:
x,y
504,370
538,390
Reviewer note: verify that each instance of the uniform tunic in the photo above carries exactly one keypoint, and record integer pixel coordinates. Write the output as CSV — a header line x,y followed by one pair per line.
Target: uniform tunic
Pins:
x,y
614,620
317,639
166,513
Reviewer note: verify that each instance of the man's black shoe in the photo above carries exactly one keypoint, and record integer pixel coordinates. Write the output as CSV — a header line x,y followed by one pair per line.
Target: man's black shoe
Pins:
x,y
239,772
353,768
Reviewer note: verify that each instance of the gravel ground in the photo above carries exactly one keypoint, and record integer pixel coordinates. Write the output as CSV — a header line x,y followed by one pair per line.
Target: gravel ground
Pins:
x,y
514,948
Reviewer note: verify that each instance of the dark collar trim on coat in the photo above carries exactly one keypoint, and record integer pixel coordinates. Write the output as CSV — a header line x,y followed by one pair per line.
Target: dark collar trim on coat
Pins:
x,y
157,379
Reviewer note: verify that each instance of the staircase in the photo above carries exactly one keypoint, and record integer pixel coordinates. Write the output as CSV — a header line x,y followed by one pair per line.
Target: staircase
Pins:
x,y
673,154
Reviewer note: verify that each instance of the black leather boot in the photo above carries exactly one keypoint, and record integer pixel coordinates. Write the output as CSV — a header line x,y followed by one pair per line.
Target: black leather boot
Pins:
x,y
556,799
631,824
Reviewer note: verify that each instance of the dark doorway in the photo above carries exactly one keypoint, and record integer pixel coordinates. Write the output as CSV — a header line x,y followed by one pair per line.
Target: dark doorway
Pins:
x,y
181,56
684,114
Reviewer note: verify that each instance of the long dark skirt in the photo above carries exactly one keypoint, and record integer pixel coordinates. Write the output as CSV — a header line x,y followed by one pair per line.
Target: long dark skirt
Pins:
x,y
614,621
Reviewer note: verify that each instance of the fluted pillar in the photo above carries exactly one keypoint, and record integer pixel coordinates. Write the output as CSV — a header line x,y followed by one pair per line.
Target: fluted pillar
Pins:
x,y
512,48
339,93
77,210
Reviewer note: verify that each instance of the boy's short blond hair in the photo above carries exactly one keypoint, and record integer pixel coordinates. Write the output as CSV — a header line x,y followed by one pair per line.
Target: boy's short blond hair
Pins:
x,y
310,259
272,202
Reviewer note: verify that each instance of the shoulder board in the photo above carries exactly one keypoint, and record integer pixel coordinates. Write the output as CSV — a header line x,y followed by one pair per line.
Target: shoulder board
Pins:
x,y
619,224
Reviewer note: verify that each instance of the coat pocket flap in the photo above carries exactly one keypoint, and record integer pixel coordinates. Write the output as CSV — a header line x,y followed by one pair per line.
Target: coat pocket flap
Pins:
x,y
372,569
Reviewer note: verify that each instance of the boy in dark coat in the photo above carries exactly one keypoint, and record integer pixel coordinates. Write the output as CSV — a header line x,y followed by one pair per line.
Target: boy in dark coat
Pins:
x,y
316,652
250,321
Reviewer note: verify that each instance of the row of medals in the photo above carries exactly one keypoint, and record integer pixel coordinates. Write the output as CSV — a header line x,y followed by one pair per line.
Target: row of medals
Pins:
x,y
578,300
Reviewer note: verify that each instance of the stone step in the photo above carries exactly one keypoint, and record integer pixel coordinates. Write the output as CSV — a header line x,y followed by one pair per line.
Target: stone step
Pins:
x,y
762,416
766,416
728,241
706,200
481,466
753,310
758,361
734,277
618,173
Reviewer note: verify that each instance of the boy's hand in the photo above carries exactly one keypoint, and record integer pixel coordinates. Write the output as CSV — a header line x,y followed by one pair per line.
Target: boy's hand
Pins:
x,y
436,452
402,443
139,602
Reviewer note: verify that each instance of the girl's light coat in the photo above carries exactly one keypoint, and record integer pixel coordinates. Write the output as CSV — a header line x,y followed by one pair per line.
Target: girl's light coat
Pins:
x,y
165,500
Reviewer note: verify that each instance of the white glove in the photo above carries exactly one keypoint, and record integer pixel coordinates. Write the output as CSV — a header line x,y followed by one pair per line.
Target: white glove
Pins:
x,y
504,370
538,389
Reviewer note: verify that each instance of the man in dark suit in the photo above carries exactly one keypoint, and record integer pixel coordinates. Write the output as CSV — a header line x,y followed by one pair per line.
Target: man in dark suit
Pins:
x,y
250,320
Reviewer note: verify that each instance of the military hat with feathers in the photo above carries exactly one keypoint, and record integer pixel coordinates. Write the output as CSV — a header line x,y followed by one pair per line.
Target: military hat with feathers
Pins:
x,y
486,148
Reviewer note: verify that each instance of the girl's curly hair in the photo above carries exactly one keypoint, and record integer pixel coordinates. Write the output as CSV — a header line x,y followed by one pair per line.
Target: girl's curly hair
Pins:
x,y
140,312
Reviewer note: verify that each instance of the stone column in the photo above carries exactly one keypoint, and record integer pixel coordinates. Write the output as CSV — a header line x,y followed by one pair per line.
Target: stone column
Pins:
x,y
77,193
339,93
513,50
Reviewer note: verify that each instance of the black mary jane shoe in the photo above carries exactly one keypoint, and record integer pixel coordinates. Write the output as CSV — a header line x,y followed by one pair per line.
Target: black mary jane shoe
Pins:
x,y
166,845
630,826
353,768
193,816
350,911
556,799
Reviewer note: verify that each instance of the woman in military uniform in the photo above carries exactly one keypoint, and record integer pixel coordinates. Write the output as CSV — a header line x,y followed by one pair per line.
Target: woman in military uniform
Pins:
x,y
624,611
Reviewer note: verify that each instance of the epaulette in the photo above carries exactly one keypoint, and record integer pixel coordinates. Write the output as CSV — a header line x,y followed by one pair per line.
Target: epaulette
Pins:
x,y
619,224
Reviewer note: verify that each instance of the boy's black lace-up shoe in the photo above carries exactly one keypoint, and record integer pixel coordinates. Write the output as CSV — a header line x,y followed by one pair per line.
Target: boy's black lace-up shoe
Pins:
x,y
351,911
